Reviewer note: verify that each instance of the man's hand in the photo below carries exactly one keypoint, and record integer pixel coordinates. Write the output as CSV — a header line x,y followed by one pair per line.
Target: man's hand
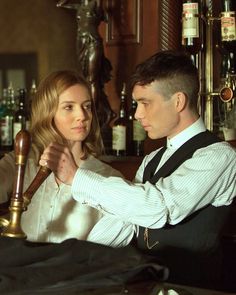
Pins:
x,y
60,160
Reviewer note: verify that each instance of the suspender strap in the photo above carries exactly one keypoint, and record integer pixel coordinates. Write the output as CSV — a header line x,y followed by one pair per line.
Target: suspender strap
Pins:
x,y
151,166
183,153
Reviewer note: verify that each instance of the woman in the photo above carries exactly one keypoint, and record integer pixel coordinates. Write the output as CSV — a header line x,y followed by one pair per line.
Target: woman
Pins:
x,y
63,112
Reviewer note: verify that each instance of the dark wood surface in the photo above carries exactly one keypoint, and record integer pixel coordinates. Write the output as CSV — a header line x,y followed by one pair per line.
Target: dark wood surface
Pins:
x,y
128,166
152,288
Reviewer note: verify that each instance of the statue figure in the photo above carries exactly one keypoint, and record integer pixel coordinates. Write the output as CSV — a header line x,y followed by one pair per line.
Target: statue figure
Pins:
x,y
95,66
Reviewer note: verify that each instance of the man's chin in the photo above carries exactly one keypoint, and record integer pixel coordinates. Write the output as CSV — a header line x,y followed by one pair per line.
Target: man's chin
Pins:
x,y
151,135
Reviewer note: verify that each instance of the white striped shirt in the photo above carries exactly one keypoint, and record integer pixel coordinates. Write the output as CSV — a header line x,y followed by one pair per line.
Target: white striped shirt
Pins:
x,y
209,177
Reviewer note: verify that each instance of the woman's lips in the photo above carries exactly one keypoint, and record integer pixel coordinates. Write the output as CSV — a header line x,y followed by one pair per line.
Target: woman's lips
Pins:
x,y
79,129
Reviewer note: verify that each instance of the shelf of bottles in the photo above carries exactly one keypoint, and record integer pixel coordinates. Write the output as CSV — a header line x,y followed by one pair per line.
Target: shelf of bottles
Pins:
x,y
14,114
203,32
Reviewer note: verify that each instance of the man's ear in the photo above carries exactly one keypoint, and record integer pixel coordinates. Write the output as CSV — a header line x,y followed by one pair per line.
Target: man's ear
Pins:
x,y
180,101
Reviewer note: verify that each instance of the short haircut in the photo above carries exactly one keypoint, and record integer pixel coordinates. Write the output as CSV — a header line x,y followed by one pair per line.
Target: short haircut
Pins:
x,y
174,70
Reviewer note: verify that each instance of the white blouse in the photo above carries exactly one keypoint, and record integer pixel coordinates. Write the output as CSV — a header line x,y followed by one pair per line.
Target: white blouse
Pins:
x,y
53,215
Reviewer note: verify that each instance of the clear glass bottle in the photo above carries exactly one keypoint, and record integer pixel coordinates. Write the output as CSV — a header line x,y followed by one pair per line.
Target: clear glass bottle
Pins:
x,y
192,30
119,129
228,25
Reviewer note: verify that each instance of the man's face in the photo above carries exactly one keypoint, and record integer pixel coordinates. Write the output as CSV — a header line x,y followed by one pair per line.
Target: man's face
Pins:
x,y
157,114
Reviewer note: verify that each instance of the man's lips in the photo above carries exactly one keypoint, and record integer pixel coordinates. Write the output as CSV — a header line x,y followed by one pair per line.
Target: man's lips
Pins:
x,y
145,126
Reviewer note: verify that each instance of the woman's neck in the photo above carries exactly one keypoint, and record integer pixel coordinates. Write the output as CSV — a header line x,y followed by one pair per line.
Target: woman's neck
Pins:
x,y
76,150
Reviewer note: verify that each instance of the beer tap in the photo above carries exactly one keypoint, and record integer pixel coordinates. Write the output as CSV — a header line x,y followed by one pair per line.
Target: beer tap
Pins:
x,y
19,201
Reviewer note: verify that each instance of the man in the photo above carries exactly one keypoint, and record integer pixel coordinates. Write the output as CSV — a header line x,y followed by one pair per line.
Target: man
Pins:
x,y
181,193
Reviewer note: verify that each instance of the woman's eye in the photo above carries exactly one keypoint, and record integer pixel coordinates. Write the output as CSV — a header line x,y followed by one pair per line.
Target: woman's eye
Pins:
x,y
88,107
68,107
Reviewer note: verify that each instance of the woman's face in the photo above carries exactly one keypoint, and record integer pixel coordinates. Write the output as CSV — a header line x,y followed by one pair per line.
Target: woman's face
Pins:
x,y
74,113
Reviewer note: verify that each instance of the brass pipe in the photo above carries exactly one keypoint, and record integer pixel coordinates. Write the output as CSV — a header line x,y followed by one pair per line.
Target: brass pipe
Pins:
x,y
209,69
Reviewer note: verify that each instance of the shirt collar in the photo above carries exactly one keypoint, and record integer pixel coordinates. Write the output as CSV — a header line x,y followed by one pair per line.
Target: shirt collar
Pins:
x,y
194,129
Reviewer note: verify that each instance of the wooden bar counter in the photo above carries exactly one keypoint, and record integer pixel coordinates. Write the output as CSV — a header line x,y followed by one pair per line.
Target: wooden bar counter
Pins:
x,y
151,288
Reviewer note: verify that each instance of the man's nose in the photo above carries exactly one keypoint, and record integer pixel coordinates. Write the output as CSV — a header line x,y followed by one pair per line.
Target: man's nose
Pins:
x,y
138,114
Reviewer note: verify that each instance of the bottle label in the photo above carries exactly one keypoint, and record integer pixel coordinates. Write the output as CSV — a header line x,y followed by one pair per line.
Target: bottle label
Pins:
x,y
27,125
139,134
119,138
190,20
17,126
228,29
6,131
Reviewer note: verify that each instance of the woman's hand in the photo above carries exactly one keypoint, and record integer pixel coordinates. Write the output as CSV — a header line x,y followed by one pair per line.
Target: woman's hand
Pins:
x,y
60,160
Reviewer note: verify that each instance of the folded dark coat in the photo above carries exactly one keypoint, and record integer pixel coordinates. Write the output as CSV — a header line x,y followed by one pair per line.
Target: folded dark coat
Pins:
x,y
71,266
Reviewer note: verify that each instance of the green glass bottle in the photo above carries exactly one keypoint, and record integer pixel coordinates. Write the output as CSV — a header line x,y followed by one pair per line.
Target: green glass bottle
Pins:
x,y
21,115
6,122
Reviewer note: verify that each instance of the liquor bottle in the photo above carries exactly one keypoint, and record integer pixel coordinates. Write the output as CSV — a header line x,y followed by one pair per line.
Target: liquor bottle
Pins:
x,y
13,104
136,132
228,25
119,129
30,98
192,27
21,116
33,91
6,122
3,102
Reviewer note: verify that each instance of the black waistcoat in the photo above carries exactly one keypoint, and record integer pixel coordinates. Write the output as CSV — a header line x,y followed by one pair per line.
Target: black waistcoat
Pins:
x,y
198,232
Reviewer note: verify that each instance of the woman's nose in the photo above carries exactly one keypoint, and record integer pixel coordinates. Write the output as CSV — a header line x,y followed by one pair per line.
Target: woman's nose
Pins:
x,y
80,114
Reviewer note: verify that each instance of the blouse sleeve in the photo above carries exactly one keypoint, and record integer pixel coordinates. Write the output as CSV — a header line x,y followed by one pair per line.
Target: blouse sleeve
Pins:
x,y
7,174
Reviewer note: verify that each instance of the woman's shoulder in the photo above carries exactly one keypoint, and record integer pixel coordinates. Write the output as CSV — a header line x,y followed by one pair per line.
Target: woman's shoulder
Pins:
x,y
100,167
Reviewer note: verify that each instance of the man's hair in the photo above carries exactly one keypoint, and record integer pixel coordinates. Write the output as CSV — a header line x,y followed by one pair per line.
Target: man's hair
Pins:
x,y
174,70
44,106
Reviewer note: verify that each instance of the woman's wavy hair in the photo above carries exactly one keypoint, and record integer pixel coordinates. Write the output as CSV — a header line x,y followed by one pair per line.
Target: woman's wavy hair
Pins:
x,y
44,107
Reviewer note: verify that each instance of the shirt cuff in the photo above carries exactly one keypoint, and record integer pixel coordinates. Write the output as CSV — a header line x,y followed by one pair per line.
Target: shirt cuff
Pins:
x,y
85,185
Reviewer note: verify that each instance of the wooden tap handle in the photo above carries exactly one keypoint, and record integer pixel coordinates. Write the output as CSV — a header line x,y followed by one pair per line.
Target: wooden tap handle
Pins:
x,y
22,143
42,174
22,147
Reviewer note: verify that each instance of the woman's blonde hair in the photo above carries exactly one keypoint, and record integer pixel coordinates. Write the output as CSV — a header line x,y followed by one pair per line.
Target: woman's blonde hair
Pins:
x,y
44,107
